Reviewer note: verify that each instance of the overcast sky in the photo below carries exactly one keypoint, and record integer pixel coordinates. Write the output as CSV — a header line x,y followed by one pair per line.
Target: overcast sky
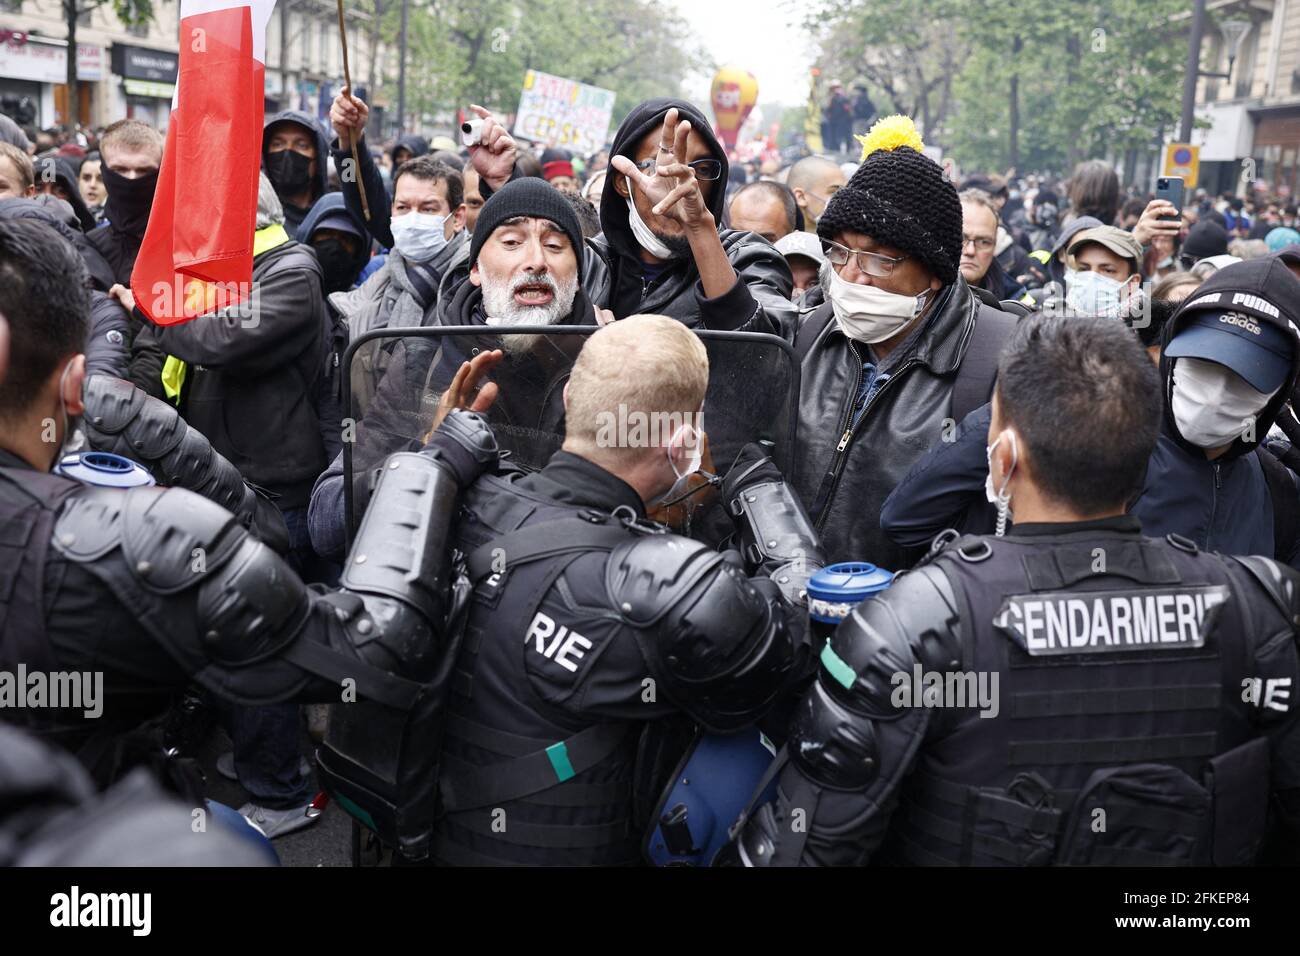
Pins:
x,y
761,36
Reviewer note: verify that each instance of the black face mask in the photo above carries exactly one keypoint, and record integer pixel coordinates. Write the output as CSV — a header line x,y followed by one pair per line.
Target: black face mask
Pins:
x,y
337,263
288,171
129,201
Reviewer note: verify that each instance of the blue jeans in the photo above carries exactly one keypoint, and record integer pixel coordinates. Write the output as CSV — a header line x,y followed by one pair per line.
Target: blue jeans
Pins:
x,y
267,758
311,567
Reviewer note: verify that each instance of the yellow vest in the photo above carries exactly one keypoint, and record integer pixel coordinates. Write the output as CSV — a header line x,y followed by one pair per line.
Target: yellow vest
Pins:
x,y
173,371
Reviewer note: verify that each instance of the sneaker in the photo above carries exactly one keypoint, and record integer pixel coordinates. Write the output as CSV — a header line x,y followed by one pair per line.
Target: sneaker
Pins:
x,y
276,823
226,766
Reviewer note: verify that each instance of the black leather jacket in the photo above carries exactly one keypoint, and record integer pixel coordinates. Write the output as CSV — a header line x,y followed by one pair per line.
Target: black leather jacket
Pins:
x,y
854,470
758,302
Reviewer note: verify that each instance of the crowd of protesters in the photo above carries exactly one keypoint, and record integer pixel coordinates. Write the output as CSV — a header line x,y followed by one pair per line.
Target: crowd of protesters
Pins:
x,y
896,287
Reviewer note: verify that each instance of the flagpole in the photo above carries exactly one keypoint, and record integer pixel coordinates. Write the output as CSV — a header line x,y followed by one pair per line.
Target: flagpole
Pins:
x,y
347,83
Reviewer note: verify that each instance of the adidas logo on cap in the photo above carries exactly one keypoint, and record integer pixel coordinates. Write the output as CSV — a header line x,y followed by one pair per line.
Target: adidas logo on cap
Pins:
x,y
1241,321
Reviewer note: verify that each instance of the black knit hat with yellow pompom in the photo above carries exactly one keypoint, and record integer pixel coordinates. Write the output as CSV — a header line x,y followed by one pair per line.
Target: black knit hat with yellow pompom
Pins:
x,y
901,198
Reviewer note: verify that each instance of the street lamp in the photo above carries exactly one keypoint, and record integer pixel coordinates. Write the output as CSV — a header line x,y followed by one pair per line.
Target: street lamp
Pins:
x,y
1234,33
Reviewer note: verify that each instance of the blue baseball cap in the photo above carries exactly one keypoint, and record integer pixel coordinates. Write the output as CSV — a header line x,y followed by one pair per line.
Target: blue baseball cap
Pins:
x,y
1242,317
1255,349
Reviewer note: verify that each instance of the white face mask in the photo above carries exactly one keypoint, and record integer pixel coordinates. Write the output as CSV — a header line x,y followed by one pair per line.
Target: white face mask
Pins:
x,y
868,313
419,236
691,439
1093,294
1213,406
644,237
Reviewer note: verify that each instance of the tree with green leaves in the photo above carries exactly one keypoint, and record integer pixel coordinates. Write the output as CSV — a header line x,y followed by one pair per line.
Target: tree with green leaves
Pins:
x,y
1014,84
477,51
907,49
132,13
1091,79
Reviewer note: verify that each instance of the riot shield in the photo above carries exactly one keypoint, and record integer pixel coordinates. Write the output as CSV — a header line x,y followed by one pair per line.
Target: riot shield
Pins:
x,y
397,378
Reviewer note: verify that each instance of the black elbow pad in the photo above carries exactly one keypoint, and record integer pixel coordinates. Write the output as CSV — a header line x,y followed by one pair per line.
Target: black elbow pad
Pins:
x,y
721,648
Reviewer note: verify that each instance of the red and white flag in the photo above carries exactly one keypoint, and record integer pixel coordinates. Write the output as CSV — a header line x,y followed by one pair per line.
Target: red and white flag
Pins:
x,y
197,253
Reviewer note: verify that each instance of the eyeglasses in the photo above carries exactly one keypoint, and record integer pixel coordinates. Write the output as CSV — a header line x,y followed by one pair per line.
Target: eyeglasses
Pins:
x,y
981,243
706,170
872,263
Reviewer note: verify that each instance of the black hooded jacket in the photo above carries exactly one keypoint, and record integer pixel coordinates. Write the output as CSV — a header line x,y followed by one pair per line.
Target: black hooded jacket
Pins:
x,y
1223,505
107,338
252,374
328,205
61,171
413,144
614,278
57,210
118,250
294,215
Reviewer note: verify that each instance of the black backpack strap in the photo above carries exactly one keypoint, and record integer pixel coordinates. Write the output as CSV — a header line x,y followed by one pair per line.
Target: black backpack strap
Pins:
x,y
811,330
1286,503
545,540
973,386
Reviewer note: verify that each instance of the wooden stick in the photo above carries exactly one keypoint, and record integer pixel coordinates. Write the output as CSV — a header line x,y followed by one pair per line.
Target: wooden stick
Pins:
x,y
347,86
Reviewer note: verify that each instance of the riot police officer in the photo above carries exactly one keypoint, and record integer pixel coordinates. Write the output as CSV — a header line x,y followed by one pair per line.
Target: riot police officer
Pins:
x,y
1072,692
53,816
590,624
152,587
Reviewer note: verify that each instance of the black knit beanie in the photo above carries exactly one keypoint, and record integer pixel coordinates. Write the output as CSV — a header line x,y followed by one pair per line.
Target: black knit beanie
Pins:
x,y
532,197
1205,239
901,198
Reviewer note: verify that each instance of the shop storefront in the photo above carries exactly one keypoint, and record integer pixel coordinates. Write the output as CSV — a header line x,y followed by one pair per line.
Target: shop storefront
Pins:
x,y
148,82
1277,148
33,79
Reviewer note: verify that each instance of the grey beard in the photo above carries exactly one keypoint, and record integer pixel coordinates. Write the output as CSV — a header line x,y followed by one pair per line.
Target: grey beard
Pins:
x,y
502,312
517,346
